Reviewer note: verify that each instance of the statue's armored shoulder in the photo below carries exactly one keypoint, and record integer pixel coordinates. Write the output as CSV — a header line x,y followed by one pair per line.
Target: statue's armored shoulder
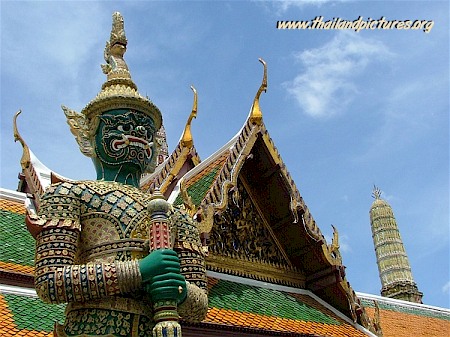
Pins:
x,y
60,206
65,188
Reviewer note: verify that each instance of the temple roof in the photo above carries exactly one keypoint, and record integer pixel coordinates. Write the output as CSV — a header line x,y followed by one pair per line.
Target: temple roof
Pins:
x,y
233,301
251,159
236,304
167,174
400,318
24,314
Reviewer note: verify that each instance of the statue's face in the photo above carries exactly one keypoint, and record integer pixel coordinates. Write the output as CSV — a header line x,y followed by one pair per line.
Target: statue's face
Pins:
x,y
125,137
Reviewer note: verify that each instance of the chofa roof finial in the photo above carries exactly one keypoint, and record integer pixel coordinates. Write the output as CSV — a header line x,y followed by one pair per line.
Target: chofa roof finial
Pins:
x,y
256,114
186,138
25,160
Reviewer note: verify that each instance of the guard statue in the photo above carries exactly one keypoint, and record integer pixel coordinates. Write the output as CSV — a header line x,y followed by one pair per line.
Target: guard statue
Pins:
x,y
126,263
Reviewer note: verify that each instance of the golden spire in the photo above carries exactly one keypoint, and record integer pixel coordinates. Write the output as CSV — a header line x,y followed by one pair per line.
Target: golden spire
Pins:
x,y
186,138
25,160
393,264
256,114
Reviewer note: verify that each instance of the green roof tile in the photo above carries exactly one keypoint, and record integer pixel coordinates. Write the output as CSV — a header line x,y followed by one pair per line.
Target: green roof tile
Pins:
x,y
251,299
198,190
17,243
33,314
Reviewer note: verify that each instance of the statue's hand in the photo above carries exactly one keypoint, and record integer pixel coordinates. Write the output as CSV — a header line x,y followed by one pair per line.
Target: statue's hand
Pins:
x,y
159,262
170,286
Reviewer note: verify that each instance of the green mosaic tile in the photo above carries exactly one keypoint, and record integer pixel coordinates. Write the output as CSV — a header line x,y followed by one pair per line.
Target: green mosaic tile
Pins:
x,y
407,309
250,299
17,243
33,314
198,190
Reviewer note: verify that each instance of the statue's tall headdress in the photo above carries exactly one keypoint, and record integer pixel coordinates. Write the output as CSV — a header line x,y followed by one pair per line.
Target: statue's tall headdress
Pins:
x,y
118,30
118,92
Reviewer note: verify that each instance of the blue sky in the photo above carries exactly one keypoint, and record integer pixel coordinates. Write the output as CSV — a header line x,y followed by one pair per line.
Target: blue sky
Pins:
x,y
345,109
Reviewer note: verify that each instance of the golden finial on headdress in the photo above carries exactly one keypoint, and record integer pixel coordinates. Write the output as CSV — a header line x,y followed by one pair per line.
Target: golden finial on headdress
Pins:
x,y
118,31
115,49
256,114
186,138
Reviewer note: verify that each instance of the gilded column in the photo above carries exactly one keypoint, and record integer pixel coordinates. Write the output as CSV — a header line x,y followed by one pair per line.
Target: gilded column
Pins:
x,y
393,265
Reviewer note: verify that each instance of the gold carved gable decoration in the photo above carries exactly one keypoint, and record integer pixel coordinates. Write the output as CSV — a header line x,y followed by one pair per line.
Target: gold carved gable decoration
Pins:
x,y
242,243
240,232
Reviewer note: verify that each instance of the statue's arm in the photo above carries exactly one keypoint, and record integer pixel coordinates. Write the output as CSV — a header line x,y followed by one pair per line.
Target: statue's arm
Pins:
x,y
192,267
59,277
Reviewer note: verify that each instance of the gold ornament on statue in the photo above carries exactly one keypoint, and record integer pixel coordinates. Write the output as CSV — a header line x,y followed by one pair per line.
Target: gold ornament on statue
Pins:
x,y
160,236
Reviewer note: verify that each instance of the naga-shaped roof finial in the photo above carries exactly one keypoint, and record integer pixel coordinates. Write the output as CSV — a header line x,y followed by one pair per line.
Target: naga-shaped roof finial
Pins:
x,y
376,193
256,114
186,138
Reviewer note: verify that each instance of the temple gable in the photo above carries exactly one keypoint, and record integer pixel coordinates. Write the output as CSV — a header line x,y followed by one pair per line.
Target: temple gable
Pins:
x,y
242,232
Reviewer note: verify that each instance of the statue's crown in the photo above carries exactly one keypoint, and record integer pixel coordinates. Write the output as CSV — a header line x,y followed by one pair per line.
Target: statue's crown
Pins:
x,y
119,90
118,31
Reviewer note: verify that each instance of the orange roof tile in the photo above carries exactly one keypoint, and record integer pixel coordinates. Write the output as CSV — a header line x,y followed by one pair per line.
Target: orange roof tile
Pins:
x,y
12,206
7,325
256,321
17,268
400,324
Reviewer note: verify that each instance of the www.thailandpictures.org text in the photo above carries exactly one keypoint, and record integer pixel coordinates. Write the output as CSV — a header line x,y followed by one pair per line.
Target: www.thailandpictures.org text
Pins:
x,y
358,24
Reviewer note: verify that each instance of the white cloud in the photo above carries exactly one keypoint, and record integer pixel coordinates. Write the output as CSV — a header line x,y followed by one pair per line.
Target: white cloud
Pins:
x,y
47,56
283,6
446,288
327,85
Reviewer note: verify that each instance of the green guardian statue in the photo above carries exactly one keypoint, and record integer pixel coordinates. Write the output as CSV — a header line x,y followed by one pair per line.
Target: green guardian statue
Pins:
x,y
123,260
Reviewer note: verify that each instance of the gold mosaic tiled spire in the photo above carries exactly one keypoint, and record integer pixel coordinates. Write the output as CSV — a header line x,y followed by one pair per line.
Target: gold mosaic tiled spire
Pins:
x,y
393,265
